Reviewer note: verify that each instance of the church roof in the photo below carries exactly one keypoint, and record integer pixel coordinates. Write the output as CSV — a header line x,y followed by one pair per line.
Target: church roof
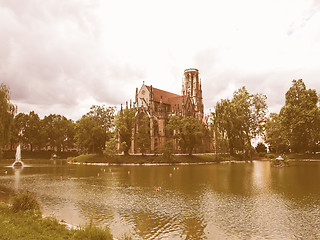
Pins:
x,y
167,97
175,101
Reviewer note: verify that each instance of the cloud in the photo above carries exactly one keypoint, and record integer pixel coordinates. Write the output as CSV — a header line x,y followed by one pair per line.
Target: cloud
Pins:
x,y
51,55
64,56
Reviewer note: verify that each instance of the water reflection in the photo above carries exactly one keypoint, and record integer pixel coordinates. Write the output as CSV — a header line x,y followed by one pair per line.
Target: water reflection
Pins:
x,y
222,201
17,171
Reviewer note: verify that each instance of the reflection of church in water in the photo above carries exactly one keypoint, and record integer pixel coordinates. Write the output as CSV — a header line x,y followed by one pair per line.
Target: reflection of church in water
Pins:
x,y
160,105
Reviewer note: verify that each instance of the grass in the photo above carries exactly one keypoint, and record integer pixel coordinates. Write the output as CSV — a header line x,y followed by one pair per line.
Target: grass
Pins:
x,y
145,159
25,201
29,225
26,225
23,220
175,159
303,156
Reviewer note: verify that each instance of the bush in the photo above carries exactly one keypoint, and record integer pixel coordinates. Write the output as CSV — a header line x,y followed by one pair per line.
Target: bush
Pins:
x,y
166,150
271,156
261,148
262,154
25,201
93,233
111,147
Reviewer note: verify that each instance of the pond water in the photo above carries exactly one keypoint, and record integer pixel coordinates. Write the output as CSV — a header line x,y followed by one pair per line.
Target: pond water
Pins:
x,y
216,201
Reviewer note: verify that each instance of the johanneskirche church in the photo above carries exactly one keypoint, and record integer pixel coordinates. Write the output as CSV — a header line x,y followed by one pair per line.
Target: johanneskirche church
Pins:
x,y
160,105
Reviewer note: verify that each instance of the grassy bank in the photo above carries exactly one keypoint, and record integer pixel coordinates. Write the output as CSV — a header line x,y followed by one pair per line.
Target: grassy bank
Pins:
x,y
23,220
303,156
176,159
31,225
153,159
292,156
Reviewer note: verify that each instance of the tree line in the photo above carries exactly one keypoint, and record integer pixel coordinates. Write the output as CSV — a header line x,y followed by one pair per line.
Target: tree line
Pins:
x,y
233,124
295,129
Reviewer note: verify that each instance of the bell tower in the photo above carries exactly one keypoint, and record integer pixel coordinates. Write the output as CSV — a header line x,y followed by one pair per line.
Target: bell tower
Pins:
x,y
191,87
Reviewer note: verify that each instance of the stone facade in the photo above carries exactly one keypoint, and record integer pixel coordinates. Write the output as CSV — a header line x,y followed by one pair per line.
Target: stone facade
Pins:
x,y
160,105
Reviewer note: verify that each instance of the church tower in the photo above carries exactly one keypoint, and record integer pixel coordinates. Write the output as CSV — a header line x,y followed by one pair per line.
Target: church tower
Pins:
x,y
191,87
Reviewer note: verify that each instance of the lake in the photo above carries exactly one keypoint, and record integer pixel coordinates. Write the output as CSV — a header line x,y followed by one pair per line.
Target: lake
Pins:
x,y
214,201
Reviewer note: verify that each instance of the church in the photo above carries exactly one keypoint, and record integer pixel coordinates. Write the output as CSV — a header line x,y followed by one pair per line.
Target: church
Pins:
x,y
161,105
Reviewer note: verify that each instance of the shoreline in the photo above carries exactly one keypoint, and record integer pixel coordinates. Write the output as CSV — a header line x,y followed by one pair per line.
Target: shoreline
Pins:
x,y
154,164
181,164
160,160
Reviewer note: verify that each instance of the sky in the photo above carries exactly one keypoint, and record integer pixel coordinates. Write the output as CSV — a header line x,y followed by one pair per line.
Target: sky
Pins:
x,y
62,57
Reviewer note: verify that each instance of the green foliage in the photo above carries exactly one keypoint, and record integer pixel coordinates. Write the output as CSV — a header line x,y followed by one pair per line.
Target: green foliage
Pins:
x,y
92,232
143,136
158,158
94,129
300,118
166,149
187,130
7,111
111,146
32,130
58,132
25,201
25,225
271,156
275,135
124,148
19,128
261,148
125,121
54,131
90,136
240,119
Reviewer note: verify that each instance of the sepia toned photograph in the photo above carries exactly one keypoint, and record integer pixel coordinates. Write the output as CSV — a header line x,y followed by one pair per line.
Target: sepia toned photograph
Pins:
x,y
159,119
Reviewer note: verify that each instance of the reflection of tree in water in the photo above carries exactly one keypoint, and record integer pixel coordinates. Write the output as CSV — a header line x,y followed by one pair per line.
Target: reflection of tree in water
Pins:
x,y
163,215
297,181
176,211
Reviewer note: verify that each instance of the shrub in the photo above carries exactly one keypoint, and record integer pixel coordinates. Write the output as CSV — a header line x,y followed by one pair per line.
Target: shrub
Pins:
x,y
93,233
262,154
110,147
25,201
166,150
261,148
271,156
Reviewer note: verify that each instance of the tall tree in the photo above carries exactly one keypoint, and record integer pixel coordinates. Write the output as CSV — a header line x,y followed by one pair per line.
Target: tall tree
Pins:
x,y
275,135
225,124
58,131
251,111
94,129
188,131
240,119
300,117
18,129
143,136
32,130
7,111
104,116
124,123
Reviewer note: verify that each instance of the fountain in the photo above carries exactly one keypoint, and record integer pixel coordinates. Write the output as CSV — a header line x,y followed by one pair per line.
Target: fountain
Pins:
x,y
18,162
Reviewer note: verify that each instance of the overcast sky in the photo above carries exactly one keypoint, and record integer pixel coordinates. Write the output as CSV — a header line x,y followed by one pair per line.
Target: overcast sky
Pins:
x,y
61,56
